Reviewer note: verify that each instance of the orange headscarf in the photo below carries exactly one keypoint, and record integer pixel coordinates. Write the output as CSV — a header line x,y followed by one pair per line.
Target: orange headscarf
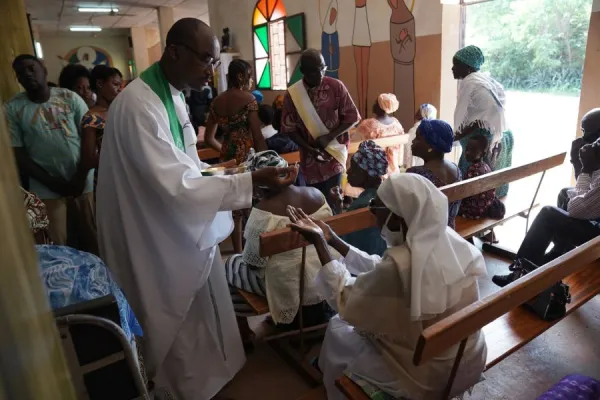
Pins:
x,y
388,102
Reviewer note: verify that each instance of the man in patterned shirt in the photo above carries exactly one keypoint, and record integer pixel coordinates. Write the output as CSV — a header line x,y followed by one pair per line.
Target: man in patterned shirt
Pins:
x,y
44,125
317,114
566,229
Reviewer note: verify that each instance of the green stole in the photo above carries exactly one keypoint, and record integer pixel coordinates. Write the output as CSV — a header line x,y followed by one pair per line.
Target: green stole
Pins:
x,y
155,78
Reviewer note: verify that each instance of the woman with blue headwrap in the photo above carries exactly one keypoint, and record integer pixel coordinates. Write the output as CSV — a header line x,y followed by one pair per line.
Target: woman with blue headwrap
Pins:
x,y
433,140
480,110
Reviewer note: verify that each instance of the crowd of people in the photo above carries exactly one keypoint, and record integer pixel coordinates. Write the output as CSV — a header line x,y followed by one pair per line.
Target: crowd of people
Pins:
x,y
115,174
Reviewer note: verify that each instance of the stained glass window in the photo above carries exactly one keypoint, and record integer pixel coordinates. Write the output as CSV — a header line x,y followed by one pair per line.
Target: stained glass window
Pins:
x,y
278,41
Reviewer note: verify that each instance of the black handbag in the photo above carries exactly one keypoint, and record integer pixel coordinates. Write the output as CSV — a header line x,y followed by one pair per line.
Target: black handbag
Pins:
x,y
549,305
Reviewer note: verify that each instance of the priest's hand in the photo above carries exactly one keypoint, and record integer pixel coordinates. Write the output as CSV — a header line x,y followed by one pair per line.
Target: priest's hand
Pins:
x,y
226,164
273,177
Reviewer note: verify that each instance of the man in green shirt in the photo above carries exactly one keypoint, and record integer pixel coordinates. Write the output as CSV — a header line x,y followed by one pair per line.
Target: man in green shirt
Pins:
x,y
44,124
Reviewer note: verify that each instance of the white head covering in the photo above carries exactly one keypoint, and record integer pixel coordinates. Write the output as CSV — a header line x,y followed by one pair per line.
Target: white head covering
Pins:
x,y
442,262
481,99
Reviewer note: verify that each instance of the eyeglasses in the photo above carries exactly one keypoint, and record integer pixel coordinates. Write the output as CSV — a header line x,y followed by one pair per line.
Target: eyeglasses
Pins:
x,y
313,70
372,206
203,58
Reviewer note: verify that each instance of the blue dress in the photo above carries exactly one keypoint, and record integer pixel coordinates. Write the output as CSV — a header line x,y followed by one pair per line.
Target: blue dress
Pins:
x,y
368,240
452,207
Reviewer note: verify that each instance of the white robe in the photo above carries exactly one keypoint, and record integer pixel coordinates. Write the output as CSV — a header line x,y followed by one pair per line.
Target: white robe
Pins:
x,y
159,224
380,361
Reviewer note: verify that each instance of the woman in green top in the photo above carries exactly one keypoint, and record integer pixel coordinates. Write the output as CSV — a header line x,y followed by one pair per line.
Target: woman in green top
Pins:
x,y
367,168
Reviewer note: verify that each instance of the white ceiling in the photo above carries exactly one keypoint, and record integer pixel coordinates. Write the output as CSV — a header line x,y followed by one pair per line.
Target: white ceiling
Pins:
x,y
58,15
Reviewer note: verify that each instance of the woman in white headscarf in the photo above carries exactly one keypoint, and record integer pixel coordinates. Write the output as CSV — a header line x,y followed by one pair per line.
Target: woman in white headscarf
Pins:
x,y
480,110
428,273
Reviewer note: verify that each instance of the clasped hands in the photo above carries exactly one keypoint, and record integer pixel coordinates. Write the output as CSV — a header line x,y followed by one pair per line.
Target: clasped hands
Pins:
x,y
590,157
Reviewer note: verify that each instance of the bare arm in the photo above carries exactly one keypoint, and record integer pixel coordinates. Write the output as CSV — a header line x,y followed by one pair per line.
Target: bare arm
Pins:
x,y
300,141
210,134
27,165
257,137
323,251
89,152
341,129
465,132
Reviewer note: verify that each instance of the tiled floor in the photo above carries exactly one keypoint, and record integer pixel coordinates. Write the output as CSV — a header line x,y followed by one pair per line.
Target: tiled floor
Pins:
x,y
572,346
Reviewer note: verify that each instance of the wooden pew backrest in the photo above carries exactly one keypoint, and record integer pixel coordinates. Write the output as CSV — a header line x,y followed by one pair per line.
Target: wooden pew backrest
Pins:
x,y
281,240
446,333
294,157
470,187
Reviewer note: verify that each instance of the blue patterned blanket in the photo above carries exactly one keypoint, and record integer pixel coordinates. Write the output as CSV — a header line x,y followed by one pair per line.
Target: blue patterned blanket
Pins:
x,y
71,276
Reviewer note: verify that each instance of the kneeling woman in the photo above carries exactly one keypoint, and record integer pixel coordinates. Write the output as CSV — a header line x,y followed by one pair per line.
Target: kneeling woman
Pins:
x,y
428,273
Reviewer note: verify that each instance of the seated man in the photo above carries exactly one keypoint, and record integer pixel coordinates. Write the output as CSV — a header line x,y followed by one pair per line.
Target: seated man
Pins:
x,y
566,229
271,121
265,114
277,277
590,127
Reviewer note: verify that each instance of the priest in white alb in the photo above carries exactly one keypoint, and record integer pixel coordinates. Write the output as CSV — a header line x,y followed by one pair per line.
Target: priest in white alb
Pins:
x,y
160,221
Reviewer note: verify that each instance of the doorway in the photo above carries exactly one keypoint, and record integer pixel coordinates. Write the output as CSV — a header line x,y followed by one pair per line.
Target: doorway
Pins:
x,y
536,50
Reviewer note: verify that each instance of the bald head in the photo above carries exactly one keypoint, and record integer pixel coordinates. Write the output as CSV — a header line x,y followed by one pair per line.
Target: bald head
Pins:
x,y
311,57
313,67
187,29
590,125
191,53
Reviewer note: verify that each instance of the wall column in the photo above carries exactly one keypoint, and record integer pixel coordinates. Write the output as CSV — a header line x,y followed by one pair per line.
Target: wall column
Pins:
x,y
451,19
140,48
16,39
166,19
590,83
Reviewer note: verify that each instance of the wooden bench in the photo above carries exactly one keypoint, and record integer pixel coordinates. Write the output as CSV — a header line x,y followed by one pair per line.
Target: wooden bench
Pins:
x,y
294,157
259,304
506,325
281,240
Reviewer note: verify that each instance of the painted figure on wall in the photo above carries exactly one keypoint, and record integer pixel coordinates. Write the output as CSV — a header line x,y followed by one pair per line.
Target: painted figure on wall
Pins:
x,y
330,42
403,48
361,40
88,56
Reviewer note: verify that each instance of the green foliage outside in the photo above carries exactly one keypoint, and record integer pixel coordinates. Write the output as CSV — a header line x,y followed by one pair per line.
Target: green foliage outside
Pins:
x,y
532,45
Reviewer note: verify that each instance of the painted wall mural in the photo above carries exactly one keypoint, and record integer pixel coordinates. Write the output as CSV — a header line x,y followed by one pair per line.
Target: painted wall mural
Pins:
x,y
361,41
330,39
88,56
403,45
402,37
